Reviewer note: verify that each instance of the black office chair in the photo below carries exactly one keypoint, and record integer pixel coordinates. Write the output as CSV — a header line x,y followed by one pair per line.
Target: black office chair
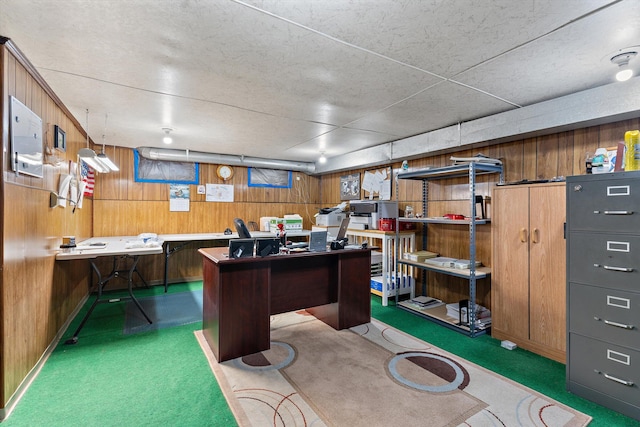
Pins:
x,y
241,228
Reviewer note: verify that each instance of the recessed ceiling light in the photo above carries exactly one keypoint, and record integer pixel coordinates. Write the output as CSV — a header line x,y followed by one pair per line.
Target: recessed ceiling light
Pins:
x,y
167,137
622,61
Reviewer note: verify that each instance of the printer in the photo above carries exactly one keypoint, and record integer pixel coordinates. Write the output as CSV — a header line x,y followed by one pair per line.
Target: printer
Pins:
x,y
365,214
330,217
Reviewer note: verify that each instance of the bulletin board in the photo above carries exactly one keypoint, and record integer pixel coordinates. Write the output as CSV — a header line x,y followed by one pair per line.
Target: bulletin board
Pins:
x,y
376,184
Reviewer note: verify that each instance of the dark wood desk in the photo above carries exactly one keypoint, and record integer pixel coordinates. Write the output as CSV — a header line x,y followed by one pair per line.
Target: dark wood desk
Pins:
x,y
239,295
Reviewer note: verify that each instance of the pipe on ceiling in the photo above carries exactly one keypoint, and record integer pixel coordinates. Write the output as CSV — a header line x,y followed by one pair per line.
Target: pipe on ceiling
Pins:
x,y
172,155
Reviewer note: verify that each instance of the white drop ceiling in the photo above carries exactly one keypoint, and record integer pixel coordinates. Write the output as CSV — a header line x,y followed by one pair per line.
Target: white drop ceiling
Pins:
x,y
288,79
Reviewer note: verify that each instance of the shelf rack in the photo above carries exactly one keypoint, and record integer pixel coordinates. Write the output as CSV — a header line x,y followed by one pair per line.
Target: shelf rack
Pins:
x,y
472,170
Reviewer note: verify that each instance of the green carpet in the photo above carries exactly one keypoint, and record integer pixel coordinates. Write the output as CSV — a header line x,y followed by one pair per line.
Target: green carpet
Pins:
x,y
162,378
166,311
158,378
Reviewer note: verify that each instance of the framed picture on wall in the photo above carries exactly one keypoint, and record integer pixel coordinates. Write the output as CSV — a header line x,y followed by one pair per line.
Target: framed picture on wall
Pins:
x,y
350,187
59,139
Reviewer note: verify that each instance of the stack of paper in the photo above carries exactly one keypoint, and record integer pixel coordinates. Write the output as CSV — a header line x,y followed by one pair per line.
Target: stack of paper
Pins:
x,y
441,261
425,302
419,256
464,264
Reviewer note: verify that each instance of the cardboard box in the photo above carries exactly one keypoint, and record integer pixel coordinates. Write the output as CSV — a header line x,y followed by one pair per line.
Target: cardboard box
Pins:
x,y
291,223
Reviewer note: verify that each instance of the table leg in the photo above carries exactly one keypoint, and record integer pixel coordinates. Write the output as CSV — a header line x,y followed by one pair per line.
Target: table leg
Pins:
x,y
102,283
133,268
167,253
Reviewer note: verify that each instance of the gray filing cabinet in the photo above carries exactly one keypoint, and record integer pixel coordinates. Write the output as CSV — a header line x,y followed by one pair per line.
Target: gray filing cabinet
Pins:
x,y
603,293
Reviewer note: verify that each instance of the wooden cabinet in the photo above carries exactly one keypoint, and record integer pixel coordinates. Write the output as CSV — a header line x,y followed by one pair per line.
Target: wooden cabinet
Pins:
x,y
528,292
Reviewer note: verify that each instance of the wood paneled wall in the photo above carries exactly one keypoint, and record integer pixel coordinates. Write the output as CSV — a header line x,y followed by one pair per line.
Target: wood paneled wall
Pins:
x,y
545,157
123,207
126,207
37,295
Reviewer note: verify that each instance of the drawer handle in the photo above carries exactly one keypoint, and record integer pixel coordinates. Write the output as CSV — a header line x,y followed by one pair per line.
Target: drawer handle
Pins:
x,y
618,380
618,212
616,324
623,269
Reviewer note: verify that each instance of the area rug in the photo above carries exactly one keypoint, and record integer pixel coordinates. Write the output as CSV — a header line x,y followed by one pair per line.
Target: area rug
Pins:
x,y
372,375
166,310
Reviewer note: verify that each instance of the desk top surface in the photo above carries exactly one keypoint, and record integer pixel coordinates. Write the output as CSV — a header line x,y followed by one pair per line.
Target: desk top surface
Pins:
x,y
221,255
112,246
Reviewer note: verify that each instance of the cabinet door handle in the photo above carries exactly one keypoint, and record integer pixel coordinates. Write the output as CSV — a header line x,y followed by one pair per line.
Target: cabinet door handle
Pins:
x,y
535,236
618,212
623,269
618,380
523,235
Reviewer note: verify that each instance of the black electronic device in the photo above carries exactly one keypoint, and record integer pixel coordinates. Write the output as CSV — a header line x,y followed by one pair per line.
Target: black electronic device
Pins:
x,y
241,228
480,201
339,244
241,248
267,246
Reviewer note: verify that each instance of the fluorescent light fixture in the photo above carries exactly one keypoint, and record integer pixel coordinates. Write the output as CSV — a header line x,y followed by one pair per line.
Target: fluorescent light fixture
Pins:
x,y
89,156
107,162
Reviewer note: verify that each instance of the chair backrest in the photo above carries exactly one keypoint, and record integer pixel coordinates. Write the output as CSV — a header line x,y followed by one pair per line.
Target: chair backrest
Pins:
x,y
241,228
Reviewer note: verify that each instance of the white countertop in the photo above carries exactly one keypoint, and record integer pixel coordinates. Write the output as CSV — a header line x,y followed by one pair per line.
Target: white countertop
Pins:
x,y
116,245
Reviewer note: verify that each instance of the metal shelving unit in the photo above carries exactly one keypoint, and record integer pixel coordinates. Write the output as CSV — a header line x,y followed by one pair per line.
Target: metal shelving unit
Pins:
x,y
472,171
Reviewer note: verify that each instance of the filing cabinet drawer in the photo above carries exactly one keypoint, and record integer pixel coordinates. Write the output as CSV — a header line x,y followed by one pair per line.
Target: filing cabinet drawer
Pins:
x,y
602,203
611,369
609,260
605,314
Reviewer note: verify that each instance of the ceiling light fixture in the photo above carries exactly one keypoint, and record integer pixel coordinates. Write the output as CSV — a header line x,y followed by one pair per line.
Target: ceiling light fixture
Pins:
x,y
322,158
167,137
102,157
89,156
622,61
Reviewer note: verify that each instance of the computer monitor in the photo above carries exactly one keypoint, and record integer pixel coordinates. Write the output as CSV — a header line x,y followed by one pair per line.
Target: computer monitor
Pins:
x,y
267,246
241,228
241,248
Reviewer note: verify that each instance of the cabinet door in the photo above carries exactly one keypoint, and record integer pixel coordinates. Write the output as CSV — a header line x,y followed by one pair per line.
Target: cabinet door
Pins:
x,y
547,258
510,265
